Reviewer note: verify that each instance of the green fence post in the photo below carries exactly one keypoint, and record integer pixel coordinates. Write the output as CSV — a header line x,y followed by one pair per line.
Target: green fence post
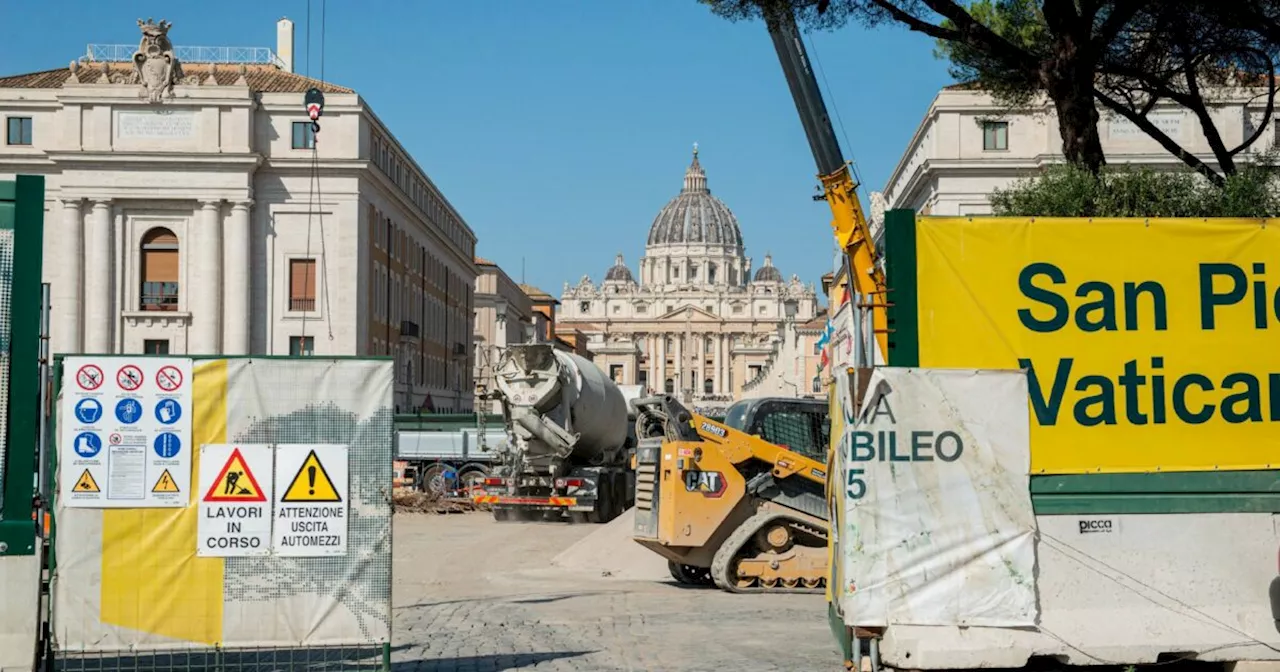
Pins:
x,y
900,273
22,212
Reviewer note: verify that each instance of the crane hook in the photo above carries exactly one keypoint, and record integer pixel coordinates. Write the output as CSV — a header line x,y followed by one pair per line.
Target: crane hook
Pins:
x,y
314,101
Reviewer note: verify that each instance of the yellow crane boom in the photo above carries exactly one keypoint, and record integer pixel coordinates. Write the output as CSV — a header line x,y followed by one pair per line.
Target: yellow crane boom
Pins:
x,y
848,221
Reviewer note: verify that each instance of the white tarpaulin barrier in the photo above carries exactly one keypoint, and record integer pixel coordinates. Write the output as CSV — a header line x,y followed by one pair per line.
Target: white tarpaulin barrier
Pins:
x,y
144,579
938,525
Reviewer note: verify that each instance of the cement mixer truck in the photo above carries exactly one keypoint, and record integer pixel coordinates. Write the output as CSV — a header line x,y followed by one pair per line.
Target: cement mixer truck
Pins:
x,y
570,439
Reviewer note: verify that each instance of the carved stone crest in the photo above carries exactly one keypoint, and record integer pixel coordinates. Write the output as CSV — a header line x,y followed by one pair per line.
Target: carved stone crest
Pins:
x,y
155,62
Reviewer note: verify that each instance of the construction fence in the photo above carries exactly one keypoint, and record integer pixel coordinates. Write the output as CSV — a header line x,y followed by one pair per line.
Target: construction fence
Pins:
x,y
222,513
1070,453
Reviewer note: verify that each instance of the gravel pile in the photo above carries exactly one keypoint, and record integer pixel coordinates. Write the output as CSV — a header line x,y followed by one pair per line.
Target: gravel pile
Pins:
x,y
611,552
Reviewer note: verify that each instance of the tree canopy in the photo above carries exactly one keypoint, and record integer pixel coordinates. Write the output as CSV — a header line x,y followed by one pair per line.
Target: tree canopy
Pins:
x,y
1132,57
1139,191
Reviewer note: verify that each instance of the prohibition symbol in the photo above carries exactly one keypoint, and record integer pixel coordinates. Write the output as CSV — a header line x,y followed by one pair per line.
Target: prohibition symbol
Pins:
x,y
89,377
129,378
169,378
116,439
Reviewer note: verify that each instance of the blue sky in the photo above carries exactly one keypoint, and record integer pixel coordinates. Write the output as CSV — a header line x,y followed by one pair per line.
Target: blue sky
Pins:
x,y
559,128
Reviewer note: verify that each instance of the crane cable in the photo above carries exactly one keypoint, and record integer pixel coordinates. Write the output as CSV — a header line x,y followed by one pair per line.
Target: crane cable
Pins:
x,y
314,102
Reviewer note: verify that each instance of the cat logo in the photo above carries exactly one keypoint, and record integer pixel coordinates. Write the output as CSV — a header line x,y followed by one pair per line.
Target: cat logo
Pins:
x,y
709,483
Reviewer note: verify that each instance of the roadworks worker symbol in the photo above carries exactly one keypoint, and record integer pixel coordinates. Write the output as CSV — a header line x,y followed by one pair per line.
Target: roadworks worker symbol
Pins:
x,y
165,483
311,484
86,483
235,483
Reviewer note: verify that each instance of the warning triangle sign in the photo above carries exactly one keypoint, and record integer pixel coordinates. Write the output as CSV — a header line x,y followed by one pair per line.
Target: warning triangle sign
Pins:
x,y
235,483
311,484
165,483
86,483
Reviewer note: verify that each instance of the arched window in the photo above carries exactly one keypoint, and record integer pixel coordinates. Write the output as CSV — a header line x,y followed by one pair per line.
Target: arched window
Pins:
x,y
159,270
671,386
707,386
711,272
817,383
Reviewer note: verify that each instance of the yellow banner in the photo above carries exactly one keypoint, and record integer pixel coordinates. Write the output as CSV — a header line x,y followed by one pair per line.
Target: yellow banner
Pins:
x,y
1153,345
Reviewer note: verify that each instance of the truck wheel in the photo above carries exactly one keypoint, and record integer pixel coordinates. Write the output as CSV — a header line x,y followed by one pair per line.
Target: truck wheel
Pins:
x,y
618,502
435,480
501,514
604,502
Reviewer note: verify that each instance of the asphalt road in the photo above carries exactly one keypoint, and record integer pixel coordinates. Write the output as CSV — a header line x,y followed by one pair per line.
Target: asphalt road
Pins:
x,y
472,595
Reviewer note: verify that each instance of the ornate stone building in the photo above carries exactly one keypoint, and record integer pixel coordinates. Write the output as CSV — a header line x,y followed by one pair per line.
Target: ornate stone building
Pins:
x,y
191,208
698,323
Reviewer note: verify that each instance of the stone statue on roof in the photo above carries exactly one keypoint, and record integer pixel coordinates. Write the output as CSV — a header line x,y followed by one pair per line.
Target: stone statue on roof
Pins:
x,y
155,63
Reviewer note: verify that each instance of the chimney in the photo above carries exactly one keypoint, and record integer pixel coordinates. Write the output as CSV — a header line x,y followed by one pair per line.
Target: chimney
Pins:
x,y
284,43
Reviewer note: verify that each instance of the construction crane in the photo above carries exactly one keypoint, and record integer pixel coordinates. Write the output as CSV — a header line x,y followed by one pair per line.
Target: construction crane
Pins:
x,y
839,186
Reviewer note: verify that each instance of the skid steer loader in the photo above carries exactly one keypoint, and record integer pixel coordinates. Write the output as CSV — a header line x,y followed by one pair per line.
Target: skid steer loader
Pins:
x,y
738,504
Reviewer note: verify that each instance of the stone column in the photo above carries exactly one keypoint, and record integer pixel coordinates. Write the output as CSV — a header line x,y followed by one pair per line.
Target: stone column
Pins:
x,y
98,313
205,281
68,292
700,346
679,364
651,357
660,382
726,363
717,343
236,274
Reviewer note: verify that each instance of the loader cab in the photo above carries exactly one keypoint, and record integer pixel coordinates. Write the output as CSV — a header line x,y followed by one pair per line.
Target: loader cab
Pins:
x,y
799,425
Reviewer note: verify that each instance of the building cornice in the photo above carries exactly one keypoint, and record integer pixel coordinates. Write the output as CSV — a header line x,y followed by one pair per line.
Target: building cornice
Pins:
x,y
83,159
91,95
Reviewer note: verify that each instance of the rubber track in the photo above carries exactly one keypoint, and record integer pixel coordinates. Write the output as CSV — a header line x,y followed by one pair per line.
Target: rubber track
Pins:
x,y
723,560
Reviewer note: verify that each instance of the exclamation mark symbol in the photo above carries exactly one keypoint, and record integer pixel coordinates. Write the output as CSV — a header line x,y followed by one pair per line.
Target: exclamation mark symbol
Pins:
x,y
311,478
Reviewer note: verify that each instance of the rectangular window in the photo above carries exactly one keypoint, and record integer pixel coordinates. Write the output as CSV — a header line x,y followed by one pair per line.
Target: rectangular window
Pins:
x,y
302,284
303,136
615,372
302,346
995,135
19,132
153,346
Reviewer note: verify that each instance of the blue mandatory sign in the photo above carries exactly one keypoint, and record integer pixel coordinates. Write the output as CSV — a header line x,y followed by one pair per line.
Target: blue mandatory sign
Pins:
x,y
88,444
129,411
167,445
168,411
88,410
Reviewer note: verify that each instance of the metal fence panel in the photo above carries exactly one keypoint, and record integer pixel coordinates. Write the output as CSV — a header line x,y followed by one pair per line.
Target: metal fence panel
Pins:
x,y
129,584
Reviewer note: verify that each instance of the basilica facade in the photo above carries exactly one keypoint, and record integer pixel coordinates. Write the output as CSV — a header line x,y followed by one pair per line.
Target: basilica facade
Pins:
x,y
696,319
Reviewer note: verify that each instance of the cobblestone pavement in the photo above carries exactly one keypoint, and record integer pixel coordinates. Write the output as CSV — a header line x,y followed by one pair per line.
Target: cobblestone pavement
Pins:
x,y
472,595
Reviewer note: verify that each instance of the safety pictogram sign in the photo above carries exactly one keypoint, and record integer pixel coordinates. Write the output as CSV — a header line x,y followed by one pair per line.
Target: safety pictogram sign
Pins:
x,y
235,483
129,378
169,378
165,483
89,377
312,490
312,483
235,513
86,483
127,431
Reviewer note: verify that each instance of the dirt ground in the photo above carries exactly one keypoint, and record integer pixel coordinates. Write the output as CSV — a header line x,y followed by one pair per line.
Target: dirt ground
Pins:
x,y
475,595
